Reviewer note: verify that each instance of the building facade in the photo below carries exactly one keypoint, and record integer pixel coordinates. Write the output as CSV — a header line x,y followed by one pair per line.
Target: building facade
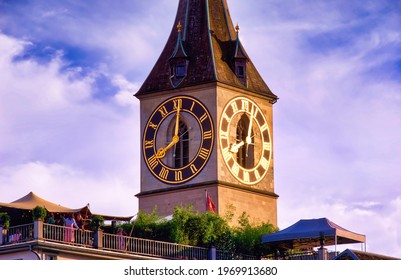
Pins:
x,y
207,121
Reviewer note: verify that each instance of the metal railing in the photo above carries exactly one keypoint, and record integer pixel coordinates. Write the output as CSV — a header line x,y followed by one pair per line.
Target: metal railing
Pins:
x,y
112,242
224,255
68,235
19,234
153,248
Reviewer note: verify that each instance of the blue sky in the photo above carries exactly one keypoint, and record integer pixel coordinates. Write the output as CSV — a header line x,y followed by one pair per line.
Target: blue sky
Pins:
x,y
69,122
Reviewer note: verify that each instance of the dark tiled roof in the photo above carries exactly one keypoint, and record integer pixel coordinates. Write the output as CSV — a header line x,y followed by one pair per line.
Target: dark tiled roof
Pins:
x,y
350,254
210,42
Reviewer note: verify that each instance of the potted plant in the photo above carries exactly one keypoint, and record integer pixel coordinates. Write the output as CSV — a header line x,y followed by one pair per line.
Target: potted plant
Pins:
x,y
97,222
39,213
4,220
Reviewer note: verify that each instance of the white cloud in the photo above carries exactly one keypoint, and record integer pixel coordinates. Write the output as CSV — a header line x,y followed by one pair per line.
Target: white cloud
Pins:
x,y
61,142
65,185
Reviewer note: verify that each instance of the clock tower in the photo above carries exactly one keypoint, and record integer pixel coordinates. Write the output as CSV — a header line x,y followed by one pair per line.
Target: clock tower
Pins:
x,y
206,121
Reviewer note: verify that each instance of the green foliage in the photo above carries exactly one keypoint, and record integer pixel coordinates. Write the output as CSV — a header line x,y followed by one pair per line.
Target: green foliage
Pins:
x,y
39,213
4,219
189,227
248,237
151,226
97,222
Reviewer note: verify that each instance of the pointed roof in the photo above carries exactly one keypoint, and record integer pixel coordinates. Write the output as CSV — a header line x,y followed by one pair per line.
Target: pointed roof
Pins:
x,y
209,39
31,200
351,254
307,234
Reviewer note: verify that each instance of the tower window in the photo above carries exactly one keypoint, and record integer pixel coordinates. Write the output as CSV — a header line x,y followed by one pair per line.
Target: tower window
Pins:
x,y
180,70
240,71
245,155
181,154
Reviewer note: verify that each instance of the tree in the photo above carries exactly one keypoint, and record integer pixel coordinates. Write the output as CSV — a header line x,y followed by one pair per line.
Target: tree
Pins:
x,y
39,213
189,227
4,219
248,237
151,226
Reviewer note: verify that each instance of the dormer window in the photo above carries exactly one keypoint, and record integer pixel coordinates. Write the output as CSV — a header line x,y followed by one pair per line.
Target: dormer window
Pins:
x,y
240,71
178,61
180,70
240,60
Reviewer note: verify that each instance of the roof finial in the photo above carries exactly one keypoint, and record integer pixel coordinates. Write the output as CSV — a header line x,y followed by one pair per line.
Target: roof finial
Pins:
x,y
179,27
237,28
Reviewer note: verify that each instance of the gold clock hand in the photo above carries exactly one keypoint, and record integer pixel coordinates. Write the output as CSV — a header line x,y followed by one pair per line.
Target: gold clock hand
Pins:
x,y
161,153
248,138
177,120
235,147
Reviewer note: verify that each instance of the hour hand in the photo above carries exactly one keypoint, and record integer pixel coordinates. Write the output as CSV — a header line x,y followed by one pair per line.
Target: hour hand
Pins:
x,y
235,147
161,153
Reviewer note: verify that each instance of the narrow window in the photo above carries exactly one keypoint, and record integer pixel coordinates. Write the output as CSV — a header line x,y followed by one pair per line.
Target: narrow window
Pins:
x,y
181,154
240,71
245,155
180,70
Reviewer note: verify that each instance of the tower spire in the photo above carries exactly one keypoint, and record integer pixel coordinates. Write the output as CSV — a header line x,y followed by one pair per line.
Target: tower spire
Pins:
x,y
210,42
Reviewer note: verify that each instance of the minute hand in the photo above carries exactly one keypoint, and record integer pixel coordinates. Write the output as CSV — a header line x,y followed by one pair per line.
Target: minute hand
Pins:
x,y
248,138
161,153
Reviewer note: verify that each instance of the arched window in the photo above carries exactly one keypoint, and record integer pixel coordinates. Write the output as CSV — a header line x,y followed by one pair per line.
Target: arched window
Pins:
x,y
245,155
181,149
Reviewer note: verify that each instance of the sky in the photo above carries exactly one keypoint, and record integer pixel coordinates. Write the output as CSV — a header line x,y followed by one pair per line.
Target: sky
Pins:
x,y
69,123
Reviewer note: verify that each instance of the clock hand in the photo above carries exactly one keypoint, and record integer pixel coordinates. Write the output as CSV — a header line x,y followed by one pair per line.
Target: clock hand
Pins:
x,y
235,147
161,153
248,138
177,120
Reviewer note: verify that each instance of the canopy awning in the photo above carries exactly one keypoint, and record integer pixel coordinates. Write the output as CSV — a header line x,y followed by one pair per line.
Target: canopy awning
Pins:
x,y
309,233
31,200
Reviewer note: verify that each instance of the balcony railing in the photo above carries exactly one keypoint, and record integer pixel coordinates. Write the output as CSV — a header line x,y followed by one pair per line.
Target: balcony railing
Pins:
x,y
19,234
153,248
68,235
110,242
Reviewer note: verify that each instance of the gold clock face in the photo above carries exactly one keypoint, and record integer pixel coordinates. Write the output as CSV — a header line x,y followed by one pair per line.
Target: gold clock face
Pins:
x,y
178,139
245,140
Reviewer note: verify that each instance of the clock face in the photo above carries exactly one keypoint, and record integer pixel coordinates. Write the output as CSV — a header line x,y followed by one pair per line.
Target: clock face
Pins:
x,y
178,139
245,140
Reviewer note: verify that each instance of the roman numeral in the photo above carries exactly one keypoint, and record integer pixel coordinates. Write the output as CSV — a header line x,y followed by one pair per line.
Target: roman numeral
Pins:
x,y
227,118
235,169
177,103
152,162
267,146
163,111
246,177
178,175
264,163
149,144
164,173
223,134
152,125
234,107
207,134
245,105
203,154
193,168
263,127
203,118
226,154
